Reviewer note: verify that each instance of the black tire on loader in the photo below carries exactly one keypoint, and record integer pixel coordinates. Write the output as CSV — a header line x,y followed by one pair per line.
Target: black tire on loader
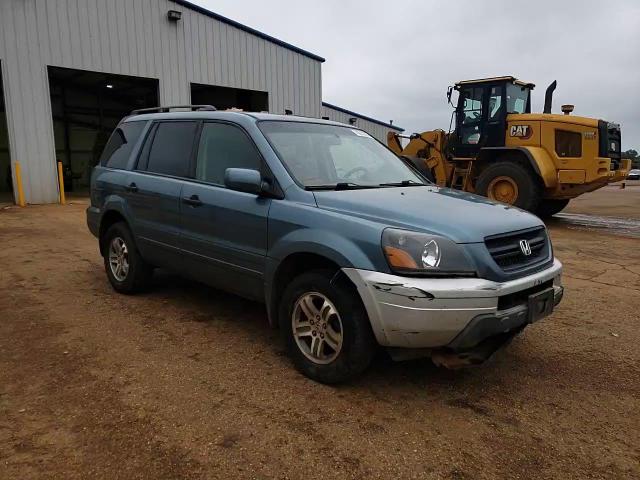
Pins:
x,y
549,207
511,182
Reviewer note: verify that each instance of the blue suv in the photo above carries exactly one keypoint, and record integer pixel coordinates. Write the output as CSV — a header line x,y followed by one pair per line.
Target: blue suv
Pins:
x,y
346,244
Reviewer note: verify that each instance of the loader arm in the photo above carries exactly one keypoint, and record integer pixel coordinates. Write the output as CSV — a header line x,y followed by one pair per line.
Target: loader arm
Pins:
x,y
428,147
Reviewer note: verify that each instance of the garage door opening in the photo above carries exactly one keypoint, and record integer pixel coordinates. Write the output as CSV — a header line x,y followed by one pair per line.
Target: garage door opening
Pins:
x,y
86,107
223,98
6,179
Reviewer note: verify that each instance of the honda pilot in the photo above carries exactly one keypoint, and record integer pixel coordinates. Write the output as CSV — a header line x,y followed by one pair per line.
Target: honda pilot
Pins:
x,y
347,246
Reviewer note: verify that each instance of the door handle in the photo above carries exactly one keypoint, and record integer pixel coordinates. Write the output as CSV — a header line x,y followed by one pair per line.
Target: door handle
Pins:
x,y
193,200
132,187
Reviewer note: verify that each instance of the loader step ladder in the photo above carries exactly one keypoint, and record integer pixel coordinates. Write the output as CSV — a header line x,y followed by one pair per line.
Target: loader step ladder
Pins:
x,y
461,173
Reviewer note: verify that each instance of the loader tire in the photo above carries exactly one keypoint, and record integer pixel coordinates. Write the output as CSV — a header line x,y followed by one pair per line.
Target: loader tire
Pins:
x,y
549,207
510,182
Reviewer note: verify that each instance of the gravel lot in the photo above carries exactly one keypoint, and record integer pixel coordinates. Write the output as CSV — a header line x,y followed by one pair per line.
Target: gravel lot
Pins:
x,y
188,382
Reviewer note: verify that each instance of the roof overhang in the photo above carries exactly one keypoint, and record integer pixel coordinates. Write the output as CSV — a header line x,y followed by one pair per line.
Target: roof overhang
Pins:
x,y
257,33
363,117
509,79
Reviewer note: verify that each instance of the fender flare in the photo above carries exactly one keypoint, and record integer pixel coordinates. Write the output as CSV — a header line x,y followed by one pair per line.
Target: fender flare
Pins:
x,y
332,246
537,157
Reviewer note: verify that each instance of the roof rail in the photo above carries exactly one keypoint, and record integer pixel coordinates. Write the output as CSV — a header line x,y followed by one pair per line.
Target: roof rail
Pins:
x,y
201,108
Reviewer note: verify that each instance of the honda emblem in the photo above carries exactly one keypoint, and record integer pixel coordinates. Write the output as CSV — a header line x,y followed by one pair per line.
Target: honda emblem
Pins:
x,y
525,247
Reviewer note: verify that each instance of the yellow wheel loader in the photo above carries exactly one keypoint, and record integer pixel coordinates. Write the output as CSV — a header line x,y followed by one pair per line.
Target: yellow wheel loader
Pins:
x,y
499,149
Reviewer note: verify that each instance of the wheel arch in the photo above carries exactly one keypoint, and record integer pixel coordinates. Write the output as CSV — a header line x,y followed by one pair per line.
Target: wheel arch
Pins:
x,y
535,157
110,217
293,265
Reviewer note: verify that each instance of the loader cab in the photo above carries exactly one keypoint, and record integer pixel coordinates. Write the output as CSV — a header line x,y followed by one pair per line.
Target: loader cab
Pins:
x,y
481,113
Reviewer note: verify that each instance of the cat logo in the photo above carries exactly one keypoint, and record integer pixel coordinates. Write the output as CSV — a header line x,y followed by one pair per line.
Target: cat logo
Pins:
x,y
521,131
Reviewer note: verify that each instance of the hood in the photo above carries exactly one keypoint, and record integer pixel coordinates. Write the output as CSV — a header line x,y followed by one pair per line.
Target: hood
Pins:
x,y
553,117
459,216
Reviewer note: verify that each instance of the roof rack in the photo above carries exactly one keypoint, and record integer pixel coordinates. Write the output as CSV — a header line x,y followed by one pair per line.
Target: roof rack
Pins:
x,y
197,108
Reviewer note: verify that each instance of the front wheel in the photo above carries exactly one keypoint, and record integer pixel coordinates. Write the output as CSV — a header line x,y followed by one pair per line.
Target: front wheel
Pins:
x,y
510,182
549,207
326,328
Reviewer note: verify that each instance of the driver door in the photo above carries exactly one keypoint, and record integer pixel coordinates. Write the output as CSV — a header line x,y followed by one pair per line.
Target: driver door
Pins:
x,y
470,122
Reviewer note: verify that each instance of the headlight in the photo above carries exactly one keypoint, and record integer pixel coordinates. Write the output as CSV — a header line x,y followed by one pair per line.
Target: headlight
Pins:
x,y
413,253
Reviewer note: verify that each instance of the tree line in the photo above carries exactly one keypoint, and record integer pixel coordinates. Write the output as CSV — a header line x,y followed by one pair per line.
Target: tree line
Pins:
x,y
633,155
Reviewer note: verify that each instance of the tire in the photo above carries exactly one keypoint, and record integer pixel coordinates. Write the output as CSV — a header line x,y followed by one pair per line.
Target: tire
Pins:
x,y
344,313
550,207
418,164
528,191
137,274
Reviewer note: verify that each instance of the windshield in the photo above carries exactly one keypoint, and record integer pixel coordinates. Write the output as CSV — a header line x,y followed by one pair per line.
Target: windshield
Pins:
x,y
320,155
517,98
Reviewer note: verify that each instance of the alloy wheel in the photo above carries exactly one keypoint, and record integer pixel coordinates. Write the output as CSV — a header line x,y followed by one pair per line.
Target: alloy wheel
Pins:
x,y
119,259
317,328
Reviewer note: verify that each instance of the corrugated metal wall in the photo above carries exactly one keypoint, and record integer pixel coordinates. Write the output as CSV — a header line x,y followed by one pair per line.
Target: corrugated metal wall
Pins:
x,y
376,130
132,37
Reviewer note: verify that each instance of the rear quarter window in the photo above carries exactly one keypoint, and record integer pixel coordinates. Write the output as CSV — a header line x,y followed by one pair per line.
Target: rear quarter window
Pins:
x,y
118,149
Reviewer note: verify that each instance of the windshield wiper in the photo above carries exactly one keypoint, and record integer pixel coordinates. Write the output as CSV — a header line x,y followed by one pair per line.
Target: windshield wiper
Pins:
x,y
403,183
339,186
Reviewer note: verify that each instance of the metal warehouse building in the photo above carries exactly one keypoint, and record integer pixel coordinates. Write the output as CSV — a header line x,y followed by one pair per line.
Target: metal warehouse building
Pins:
x,y
70,70
376,128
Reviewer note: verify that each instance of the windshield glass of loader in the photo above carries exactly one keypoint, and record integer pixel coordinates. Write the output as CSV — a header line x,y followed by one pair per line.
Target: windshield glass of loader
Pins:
x,y
328,156
517,97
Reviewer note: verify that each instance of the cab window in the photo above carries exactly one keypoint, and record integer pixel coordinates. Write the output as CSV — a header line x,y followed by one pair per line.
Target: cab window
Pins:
x,y
472,106
495,103
517,98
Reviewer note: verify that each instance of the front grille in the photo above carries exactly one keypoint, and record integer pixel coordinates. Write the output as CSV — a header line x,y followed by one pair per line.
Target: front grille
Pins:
x,y
610,142
507,253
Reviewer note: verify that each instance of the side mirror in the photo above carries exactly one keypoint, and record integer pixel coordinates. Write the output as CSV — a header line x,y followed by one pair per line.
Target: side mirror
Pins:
x,y
244,180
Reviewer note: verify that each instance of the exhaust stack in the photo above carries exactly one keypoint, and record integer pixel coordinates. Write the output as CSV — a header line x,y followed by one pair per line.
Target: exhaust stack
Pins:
x,y
548,97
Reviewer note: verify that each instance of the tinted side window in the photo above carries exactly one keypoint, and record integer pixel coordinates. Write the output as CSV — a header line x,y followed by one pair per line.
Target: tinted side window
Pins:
x,y
118,149
224,146
495,102
171,149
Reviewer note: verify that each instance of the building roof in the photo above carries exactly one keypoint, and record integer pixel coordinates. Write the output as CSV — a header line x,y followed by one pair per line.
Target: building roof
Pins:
x,y
257,33
363,117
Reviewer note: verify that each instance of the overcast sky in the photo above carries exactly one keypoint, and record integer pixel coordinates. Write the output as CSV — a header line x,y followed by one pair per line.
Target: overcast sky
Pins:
x,y
395,59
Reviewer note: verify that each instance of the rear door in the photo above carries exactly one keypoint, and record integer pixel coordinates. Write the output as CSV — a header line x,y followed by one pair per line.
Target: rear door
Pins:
x,y
154,188
224,231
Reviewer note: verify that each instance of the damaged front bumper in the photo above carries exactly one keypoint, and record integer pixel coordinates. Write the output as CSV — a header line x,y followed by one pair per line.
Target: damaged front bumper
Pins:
x,y
457,314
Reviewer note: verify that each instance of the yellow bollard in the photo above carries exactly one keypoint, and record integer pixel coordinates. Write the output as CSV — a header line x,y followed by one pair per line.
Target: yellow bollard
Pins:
x,y
19,185
61,184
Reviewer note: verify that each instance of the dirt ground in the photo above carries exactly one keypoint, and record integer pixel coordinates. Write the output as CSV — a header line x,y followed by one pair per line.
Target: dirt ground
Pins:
x,y
188,382
610,201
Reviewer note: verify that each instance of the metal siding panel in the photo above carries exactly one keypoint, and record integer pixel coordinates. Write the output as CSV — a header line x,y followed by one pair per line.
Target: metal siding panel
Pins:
x,y
139,22
217,52
84,36
227,53
53,32
131,37
187,45
94,32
